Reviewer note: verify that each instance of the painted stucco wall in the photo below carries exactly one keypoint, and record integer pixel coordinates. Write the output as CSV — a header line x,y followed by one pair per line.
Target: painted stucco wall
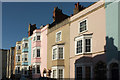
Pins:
x,y
18,52
29,50
43,49
14,60
119,29
119,25
24,51
95,15
51,41
112,30
35,44
43,53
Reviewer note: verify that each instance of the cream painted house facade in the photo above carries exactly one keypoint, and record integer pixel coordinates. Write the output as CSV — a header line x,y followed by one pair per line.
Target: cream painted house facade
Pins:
x,y
18,59
58,49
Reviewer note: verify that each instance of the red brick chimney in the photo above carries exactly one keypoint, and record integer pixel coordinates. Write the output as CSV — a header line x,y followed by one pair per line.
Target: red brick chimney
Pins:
x,y
58,15
78,8
31,28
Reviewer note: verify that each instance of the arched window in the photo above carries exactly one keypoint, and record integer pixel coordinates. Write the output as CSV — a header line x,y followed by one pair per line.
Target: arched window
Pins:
x,y
114,71
100,71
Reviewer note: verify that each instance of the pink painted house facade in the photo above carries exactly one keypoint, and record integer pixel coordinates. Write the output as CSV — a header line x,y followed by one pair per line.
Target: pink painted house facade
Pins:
x,y
39,51
87,42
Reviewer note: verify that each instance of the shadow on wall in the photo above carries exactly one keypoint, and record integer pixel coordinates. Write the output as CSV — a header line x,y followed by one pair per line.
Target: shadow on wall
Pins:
x,y
101,66
113,59
111,50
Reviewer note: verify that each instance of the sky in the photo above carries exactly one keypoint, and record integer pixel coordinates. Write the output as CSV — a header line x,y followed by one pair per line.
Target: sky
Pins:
x,y
16,17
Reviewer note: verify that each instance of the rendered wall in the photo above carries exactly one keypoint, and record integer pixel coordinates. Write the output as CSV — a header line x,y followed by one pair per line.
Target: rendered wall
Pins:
x,y
112,31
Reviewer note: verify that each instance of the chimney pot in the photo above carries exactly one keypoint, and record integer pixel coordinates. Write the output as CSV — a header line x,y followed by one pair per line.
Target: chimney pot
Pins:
x,y
78,4
75,5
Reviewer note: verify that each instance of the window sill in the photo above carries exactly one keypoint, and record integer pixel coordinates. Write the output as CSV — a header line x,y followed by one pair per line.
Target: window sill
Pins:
x,y
85,53
58,41
57,59
83,32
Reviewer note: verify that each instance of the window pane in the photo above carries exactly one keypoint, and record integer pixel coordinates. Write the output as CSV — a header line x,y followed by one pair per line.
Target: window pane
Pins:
x,y
18,69
87,45
60,73
26,45
18,47
83,26
25,70
33,53
54,53
38,37
79,73
33,38
22,57
58,37
88,72
38,52
25,57
33,69
54,73
60,52
38,68
79,47
18,58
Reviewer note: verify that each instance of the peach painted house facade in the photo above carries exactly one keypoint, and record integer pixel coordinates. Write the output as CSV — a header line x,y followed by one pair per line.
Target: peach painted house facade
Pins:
x,y
39,51
87,42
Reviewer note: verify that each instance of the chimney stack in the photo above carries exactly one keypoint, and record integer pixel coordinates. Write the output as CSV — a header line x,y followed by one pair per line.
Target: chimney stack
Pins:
x,y
78,8
58,15
31,28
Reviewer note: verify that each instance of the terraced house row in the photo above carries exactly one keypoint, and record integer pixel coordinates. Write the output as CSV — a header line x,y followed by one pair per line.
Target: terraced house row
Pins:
x,y
81,46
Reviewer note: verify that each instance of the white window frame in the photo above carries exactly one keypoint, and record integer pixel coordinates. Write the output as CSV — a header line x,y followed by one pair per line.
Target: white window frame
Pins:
x,y
23,44
17,58
35,36
23,69
83,69
57,54
35,55
36,51
57,71
90,45
17,46
58,51
36,68
23,57
40,37
86,26
26,46
17,69
83,43
35,64
60,36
